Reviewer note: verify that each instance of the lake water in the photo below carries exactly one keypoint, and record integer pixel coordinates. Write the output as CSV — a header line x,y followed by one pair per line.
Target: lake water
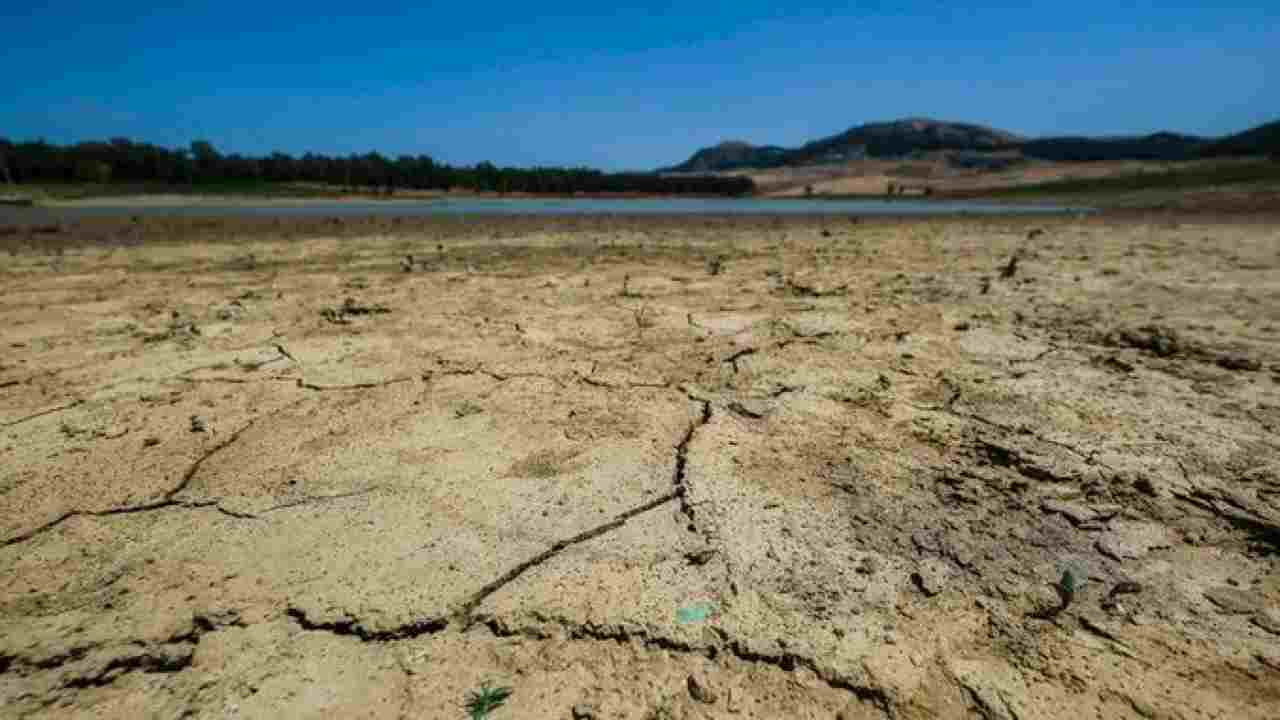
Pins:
x,y
210,207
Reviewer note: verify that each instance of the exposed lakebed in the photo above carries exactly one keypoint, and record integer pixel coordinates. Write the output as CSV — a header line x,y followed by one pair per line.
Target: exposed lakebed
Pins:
x,y
641,467
250,207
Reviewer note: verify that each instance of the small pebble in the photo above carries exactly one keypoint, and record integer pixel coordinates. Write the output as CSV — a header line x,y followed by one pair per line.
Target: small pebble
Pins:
x,y
701,691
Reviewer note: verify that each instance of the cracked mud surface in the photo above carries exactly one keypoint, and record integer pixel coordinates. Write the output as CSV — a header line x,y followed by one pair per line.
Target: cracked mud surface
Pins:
x,y
842,476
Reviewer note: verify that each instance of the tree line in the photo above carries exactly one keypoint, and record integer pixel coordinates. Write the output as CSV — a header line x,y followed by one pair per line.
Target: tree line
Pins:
x,y
121,160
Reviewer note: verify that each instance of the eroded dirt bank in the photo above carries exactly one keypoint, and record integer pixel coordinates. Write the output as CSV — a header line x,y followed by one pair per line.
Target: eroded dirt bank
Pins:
x,y
642,468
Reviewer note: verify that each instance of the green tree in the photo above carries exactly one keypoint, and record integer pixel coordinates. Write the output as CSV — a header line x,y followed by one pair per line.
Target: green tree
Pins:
x,y
94,171
206,158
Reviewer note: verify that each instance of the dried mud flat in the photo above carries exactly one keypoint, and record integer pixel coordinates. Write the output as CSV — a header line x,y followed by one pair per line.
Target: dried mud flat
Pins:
x,y
649,468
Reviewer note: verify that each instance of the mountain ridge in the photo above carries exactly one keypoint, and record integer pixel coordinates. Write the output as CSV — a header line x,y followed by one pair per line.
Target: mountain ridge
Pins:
x,y
905,136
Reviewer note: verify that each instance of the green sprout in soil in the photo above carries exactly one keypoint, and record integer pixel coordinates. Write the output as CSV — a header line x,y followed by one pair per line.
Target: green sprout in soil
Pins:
x,y
1072,580
482,702
1068,583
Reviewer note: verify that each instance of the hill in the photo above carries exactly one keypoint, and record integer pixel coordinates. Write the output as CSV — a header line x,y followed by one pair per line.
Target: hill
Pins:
x,y
1165,146
882,139
1262,140
731,155
912,136
900,137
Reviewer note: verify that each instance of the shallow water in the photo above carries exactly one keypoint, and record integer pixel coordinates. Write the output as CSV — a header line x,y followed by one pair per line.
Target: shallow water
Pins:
x,y
549,206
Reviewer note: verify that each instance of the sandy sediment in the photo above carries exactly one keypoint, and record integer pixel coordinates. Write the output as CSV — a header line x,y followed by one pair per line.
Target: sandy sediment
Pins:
x,y
180,200
645,468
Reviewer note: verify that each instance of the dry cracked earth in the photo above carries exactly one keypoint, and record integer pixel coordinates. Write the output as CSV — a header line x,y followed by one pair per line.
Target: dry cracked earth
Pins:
x,y
641,468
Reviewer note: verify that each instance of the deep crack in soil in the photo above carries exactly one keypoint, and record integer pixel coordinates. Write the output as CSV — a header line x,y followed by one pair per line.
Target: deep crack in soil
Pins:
x,y
466,612
682,462
168,499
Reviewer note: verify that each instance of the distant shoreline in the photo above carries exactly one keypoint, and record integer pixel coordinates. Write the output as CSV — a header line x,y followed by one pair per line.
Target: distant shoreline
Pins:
x,y
165,200
197,198
1102,195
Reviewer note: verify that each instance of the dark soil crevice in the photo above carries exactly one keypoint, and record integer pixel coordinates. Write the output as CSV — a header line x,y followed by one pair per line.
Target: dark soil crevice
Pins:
x,y
191,472
222,380
734,358
147,662
20,665
1263,534
429,375
233,514
588,380
131,510
682,462
316,500
352,627
42,413
170,656
550,629
168,500
23,537
468,608
1002,456
785,390
812,291
790,661
1088,457
574,631
354,386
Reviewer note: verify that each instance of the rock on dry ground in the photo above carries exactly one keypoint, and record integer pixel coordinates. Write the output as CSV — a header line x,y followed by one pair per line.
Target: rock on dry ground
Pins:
x,y
260,469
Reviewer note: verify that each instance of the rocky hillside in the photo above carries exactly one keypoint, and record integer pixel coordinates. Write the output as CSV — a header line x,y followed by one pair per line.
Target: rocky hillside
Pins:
x,y
1262,140
900,138
733,154
882,139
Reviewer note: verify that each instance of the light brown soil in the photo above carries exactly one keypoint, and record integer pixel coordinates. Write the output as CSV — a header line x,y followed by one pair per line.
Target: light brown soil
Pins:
x,y
839,478
873,178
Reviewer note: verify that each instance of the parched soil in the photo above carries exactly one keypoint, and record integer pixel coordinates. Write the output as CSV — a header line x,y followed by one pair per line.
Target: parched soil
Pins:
x,y
641,468
1206,186
872,176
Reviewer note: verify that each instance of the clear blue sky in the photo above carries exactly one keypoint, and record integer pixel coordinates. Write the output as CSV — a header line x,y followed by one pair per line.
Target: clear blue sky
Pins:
x,y
614,84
